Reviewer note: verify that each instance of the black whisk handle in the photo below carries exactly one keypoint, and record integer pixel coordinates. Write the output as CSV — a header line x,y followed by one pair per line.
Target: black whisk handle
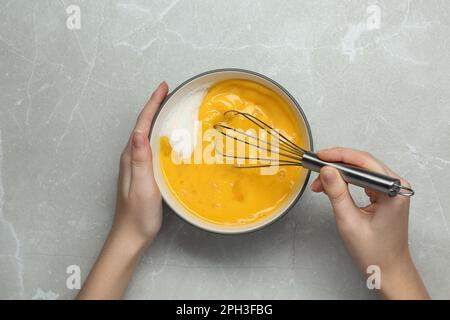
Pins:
x,y
359,176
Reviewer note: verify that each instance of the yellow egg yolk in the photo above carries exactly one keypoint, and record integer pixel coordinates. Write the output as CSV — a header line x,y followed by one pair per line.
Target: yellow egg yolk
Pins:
x,y
220,193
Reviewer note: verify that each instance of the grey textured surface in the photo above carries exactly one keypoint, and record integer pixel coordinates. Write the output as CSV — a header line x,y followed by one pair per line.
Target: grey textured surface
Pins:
x,y
69,98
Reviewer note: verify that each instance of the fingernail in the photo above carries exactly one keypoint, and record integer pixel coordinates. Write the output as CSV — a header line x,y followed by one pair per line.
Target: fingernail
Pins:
x,y
328,174
320,152
138,139
161,84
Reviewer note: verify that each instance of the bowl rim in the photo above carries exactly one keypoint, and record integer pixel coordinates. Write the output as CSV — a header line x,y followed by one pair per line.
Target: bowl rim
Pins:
x,y
308,129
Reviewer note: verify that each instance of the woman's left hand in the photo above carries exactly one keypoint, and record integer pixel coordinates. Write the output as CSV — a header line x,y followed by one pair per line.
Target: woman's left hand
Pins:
x,y
138,207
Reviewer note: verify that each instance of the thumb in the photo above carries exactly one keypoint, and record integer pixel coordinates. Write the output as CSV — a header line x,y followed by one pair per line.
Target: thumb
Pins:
x,y
141,164
337,191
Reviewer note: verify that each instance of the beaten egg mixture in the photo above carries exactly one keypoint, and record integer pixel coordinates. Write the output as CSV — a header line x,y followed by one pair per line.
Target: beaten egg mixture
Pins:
x,y
220,193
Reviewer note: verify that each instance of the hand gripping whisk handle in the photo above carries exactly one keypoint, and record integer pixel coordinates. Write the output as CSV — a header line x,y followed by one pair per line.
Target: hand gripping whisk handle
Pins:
x,y
359,176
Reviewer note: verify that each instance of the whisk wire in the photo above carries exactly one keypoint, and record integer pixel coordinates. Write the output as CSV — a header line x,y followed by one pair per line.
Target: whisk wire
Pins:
x,y
284,148
287,162
296,156
274,133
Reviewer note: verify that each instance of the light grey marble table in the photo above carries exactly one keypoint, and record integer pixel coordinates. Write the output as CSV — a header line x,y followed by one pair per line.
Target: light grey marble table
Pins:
x,y
372,75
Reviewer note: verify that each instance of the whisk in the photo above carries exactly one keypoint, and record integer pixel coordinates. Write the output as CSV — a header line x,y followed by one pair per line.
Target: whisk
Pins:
x,y
290,154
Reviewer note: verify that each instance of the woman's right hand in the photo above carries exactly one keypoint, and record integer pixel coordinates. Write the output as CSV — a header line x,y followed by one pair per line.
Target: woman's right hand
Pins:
x,y
376,234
